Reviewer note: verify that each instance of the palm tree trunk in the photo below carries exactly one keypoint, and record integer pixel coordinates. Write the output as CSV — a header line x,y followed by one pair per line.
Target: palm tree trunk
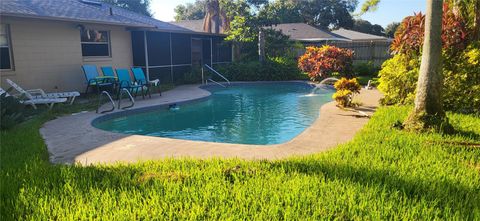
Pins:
x,y
428,111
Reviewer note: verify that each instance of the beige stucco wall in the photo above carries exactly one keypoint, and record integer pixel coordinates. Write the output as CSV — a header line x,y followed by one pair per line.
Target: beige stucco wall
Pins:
x,y
47,54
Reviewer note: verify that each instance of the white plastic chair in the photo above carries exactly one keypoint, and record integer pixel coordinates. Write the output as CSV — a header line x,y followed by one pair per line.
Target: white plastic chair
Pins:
x,y
33,101
40,94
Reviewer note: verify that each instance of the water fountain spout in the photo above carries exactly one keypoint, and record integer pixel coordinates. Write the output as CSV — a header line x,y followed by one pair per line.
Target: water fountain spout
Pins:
x,y
325,82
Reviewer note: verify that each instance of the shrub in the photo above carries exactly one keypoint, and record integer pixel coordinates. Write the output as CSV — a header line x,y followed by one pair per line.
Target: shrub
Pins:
x,y
399,75
365,69
274,69
11,112
398,79
409,36
462,80
322,62
346,89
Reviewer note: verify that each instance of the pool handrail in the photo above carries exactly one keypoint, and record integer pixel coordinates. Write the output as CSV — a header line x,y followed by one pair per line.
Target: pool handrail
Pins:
x,y
216,72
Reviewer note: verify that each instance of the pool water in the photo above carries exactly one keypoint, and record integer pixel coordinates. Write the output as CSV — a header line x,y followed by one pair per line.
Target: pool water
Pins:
x,y
259,113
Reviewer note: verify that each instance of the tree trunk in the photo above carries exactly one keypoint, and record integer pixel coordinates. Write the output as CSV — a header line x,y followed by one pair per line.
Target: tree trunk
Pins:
x,y
428,111
217,24
261,45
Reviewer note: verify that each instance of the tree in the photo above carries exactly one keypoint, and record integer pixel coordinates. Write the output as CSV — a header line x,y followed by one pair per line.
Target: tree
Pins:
x,y
190,11
391,29
428,112
141,6
367,27
216,15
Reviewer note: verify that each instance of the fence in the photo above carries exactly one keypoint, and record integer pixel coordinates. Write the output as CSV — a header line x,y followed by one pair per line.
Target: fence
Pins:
x,y
375,51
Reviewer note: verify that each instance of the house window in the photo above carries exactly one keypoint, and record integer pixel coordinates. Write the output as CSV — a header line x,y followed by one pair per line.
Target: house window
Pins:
x,y
95,43
6,62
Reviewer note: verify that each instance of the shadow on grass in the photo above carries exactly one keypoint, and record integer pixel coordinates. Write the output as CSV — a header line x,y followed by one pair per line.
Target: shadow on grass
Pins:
x,y
444,193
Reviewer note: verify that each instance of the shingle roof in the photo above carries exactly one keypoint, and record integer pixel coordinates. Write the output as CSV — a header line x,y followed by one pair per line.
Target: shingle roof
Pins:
x,y
358,36
82,11
305,32
193,25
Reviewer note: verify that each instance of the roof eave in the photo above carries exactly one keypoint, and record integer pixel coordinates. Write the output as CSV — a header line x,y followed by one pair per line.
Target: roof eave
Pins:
x,y
322,39
177,31
51,18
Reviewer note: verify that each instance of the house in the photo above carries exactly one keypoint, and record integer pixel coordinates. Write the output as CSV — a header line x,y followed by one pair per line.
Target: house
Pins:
x,y
307,34
367,47
43,43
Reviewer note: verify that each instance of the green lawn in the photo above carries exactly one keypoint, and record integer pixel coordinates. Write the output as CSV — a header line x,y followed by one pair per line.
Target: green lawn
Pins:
x,y
382,174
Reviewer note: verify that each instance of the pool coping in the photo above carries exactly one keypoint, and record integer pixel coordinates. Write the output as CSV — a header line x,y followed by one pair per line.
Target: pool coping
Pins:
x,y
73,139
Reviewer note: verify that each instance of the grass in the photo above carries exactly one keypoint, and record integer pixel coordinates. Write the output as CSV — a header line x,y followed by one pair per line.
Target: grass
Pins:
x,y
383,173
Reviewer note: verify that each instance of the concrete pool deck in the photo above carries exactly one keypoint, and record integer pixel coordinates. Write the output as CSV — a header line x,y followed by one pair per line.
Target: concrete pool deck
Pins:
x,y
72,138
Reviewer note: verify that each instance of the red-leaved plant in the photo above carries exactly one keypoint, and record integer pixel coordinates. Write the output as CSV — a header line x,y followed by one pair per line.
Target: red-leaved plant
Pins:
x,y
409,36
321,62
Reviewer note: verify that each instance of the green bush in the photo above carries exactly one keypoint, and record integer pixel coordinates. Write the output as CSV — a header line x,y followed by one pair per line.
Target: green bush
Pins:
x,y
365,69
462,81
274,69
398,79
11,112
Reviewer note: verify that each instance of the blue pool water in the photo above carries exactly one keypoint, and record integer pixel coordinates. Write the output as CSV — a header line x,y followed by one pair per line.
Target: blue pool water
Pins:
x,y
263,113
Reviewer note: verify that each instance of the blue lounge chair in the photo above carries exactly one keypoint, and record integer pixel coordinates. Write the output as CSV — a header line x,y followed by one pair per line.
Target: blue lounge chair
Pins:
x,y
108,71
140,79
95,80
126,82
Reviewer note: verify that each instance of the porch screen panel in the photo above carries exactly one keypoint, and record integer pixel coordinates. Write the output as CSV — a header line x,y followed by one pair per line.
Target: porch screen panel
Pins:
x,y
181,49
225,51
162,73
158,48
183,75
138,48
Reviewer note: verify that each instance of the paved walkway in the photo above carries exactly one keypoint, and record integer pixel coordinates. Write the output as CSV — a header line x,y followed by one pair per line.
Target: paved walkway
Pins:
x,y
72,139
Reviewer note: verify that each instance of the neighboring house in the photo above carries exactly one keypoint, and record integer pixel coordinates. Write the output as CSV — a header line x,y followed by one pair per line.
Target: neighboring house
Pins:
x,y
307,34
44,43
367,47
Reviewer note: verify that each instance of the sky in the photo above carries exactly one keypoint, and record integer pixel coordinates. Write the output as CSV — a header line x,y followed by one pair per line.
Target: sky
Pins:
x,y
388,10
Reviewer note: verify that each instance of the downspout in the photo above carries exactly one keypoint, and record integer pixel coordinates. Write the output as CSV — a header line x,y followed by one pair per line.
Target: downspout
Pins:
x,y
146,54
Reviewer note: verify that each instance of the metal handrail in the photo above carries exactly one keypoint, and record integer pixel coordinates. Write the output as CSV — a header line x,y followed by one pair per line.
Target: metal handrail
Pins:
x,y
216,82
216,72
130,97
100,103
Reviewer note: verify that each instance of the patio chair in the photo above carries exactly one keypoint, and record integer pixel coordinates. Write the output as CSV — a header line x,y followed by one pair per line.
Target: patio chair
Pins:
x,y
140,79
95,80
108,71
124,81
27,99
39,93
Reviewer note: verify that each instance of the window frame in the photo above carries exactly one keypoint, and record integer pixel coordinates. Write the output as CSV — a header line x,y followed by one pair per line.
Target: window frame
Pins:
x,y
108,43
9,46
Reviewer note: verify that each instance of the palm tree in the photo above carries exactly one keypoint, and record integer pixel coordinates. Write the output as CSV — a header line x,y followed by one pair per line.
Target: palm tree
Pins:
x,y
428,111
215,14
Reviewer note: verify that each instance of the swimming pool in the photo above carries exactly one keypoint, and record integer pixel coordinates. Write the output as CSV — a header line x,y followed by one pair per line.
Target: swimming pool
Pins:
x,y
250,113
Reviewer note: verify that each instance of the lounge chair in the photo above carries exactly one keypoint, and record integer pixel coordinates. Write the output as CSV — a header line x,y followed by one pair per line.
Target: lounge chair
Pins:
x,y
95,80
140,79
27,99
39,93
108,71
126,82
